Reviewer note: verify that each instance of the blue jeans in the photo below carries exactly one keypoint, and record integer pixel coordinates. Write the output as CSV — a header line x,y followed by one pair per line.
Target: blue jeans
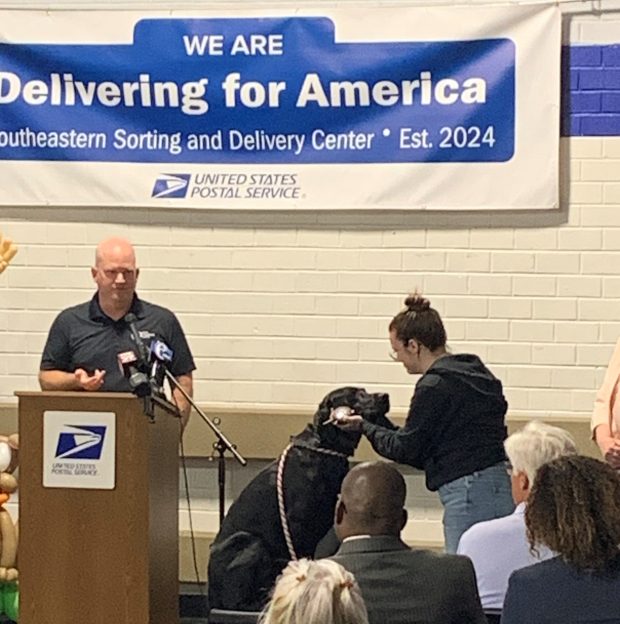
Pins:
x,y
482,495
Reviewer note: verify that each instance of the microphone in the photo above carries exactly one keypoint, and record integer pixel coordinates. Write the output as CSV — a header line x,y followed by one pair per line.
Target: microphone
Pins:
x,y
143,356
161,356
138,381
161,351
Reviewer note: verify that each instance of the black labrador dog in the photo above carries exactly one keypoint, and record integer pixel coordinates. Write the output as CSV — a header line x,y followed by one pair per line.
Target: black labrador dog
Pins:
x,y
288,507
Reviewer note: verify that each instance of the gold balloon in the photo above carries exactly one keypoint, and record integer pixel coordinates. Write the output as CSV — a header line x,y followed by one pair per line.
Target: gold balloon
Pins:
x,y
7,251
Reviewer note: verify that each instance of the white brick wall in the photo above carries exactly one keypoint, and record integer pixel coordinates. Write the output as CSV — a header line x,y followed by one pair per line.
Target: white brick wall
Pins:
x,y
279,308
265,335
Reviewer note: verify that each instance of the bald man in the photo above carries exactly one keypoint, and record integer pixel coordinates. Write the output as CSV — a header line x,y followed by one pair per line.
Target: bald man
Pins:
x,y
84,341
399,585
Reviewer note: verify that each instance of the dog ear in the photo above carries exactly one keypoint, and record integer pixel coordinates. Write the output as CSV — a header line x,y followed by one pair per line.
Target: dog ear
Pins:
x,y
331,436
323,411
345,396
335,398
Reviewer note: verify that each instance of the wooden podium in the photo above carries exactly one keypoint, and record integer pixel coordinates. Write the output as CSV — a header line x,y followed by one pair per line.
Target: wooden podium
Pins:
x,y
100,556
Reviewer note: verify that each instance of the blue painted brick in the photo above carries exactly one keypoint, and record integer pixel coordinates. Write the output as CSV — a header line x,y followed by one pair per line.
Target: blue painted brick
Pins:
x,y
585,103
600,125
585,56
611,56
591,79
611,79
570,126
590,90
574,79
610,103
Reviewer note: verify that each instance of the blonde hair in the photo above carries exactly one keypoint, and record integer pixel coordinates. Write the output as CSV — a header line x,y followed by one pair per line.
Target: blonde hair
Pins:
x,y
315,592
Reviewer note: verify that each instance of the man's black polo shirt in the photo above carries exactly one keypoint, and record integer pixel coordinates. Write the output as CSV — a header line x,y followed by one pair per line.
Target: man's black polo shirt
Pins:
x,y
84,337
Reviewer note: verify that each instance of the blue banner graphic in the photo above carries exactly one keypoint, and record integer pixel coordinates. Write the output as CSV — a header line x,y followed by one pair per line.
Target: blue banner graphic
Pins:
x,y
256,91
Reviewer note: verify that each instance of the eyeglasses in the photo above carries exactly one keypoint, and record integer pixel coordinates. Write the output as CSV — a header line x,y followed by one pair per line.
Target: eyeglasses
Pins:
x,y
128,274
509,469
394,354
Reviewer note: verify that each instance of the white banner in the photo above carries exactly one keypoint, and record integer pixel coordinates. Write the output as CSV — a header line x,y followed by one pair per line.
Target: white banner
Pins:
x,y
451,108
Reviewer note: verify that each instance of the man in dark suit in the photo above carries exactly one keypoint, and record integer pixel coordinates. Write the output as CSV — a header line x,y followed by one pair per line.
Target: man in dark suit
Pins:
x,y
399,585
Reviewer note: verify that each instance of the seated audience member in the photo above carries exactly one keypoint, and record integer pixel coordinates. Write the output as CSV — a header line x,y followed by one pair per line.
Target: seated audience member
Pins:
x,y
605,422
499,547
574,510
315,592
399,585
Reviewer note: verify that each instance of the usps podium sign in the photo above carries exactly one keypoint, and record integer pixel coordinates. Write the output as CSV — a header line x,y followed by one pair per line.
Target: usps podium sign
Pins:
x,y
79,450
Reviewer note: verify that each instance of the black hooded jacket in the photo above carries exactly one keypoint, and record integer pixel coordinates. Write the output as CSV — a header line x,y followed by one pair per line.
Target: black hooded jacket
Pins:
x,y
455,423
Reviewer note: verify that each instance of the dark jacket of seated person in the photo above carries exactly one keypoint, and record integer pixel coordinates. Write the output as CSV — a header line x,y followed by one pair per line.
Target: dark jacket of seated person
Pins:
x,y
399,585
581,584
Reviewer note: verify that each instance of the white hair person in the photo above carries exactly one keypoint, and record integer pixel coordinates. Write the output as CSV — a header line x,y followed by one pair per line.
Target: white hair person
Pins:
x,y
315,592
536,444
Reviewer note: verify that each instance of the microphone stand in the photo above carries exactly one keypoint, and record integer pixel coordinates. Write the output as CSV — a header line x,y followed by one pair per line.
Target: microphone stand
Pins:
x,y
153,398
221,446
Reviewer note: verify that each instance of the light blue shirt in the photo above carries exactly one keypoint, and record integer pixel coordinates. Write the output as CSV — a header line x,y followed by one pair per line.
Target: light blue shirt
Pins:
x,y
498,548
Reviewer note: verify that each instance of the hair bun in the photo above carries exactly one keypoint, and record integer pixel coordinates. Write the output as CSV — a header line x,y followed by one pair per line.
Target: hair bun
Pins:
x,y
417,303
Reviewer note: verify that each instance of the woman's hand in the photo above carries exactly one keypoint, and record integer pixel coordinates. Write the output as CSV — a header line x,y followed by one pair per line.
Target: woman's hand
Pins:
x,y
612,457
349,423
605,439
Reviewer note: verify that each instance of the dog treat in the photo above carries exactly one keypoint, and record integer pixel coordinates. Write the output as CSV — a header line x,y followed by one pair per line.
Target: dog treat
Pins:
x,y
338,414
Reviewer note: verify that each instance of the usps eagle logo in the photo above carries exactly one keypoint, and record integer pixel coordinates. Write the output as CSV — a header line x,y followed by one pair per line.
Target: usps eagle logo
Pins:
x,y
171,186
84,442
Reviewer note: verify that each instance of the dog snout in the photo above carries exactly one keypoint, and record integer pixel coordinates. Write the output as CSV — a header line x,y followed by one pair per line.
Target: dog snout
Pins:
x,y
382,401
373,405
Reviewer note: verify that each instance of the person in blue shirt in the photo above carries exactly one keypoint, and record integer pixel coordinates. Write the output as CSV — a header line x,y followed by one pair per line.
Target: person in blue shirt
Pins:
x,y
499,547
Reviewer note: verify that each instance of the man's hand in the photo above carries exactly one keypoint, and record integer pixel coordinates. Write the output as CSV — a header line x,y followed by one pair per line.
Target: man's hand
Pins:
x,y
7,251
90,383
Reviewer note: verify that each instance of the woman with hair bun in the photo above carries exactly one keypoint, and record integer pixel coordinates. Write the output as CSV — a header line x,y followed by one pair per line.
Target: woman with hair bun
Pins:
x,y
315,592
455,427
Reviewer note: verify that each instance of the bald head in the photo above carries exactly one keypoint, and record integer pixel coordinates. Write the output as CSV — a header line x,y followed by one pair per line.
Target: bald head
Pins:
x,y
113,248
372,500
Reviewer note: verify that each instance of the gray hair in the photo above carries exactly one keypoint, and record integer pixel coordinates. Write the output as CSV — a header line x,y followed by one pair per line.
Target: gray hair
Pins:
x,y
315,592
536,444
